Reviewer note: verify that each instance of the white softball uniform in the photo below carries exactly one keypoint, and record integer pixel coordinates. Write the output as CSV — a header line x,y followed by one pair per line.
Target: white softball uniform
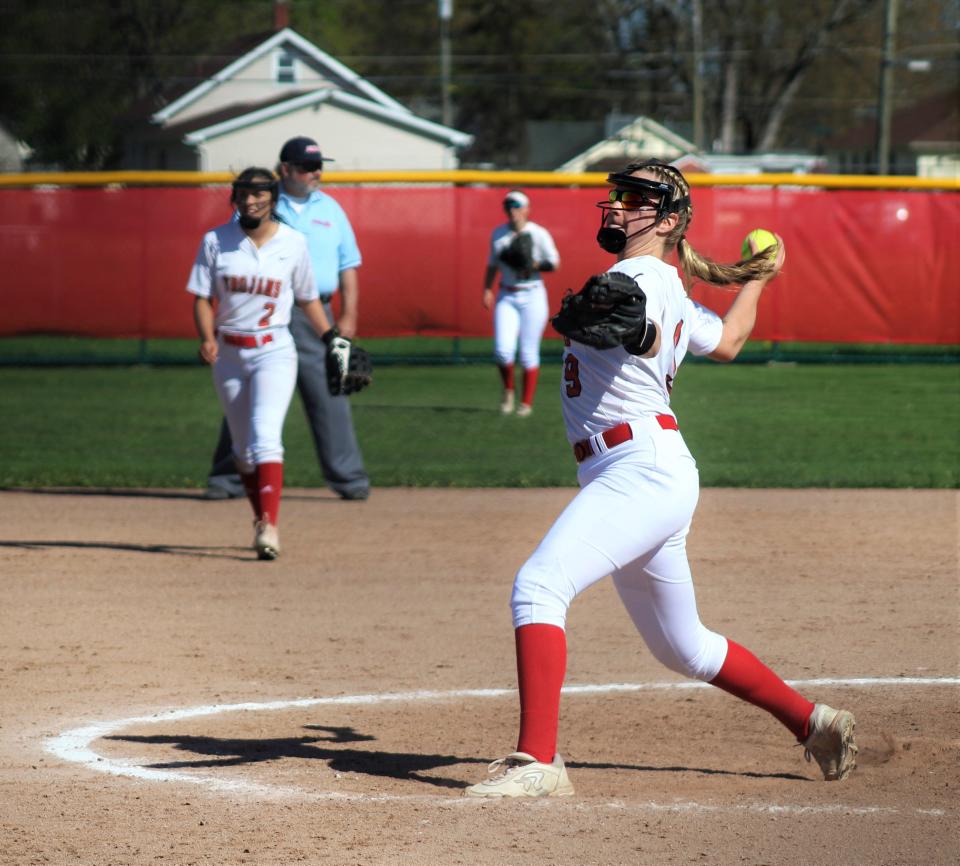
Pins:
x,y
639,485
521,309
254,290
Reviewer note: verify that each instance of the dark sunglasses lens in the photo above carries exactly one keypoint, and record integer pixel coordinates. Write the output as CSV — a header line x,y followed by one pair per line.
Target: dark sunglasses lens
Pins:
x,y
630,198
309,166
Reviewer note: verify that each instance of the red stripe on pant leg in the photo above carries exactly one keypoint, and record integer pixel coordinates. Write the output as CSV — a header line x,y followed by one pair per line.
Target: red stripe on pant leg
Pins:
x,y
270,485
541,667
506,374
530,376
253,493
749,679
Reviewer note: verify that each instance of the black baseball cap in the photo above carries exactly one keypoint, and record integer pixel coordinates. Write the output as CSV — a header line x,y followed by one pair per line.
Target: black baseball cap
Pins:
x,y
302,149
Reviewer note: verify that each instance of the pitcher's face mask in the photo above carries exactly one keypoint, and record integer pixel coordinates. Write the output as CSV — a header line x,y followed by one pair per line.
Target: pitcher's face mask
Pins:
x,y
640,200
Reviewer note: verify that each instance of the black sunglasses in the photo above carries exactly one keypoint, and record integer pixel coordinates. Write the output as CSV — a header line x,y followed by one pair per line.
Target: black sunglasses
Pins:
x,y
632,198
311,165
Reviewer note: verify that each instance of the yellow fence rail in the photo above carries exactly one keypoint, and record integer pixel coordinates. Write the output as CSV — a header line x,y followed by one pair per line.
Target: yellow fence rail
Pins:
x,y
474,178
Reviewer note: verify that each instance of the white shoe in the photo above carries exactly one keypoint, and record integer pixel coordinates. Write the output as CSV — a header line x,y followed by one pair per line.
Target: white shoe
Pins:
x,y
266,541
831,742
522,775
524,410
506,404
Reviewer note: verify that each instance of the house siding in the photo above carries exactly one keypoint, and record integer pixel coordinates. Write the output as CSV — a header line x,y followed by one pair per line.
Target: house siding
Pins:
x,y
253,83
356,142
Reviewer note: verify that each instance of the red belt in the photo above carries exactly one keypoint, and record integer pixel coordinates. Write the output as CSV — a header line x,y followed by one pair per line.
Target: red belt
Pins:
x,y
616,436
245,341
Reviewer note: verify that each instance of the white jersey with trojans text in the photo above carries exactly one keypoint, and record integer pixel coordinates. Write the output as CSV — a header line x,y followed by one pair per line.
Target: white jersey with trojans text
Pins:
x,y
602,388
255,288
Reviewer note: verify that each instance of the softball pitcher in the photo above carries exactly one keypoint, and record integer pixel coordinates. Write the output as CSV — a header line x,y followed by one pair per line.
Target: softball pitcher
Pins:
x,y
520,250
247,275
639,488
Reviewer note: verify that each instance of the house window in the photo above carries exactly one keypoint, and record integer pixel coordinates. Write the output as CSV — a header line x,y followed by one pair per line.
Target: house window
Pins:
x,y
285,73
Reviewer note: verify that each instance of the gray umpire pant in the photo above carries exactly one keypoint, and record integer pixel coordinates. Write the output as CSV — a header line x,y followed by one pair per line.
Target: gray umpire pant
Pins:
x,y
329,418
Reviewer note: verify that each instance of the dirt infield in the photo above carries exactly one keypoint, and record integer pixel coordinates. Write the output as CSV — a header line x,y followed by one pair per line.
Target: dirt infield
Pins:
x,y
167,699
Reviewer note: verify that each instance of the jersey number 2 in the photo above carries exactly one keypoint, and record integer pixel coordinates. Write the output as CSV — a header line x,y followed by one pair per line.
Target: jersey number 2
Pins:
x,y
265,321
571,375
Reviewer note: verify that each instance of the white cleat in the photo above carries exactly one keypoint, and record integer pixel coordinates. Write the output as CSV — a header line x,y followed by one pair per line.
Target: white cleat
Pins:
x,y
506,404
524,410
522,775
266,541
831,742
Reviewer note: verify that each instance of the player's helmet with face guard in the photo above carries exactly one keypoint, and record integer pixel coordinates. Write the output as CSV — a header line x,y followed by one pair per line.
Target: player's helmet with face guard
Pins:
x,y
255,180
635,193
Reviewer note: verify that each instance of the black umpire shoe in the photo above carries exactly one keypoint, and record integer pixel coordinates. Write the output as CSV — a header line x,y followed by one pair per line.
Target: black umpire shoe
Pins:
x,y
224,487
358,494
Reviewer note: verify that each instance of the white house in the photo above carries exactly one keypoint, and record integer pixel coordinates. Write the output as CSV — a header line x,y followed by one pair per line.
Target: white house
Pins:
x,y
12,152
284,87
640,138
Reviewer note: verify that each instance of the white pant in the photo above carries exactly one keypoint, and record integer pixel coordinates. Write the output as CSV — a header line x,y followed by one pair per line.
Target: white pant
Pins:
x,y
630,519
520,314
255,387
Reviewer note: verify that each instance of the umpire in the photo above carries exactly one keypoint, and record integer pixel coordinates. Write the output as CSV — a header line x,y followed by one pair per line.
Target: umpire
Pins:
x,y
335,257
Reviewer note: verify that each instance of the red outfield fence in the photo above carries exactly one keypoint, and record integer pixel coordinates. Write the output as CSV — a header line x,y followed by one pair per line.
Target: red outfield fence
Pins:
x,y
863,265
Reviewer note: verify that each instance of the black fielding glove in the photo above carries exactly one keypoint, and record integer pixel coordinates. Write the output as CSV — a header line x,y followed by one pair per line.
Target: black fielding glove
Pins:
x,y
610,310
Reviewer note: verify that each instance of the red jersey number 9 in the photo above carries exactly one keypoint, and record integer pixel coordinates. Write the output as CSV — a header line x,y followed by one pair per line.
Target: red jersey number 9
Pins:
x,y
571,375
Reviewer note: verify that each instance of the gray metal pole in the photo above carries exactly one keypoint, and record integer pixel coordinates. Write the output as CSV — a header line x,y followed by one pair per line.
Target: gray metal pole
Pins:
x,y
445,12
697,26
885,108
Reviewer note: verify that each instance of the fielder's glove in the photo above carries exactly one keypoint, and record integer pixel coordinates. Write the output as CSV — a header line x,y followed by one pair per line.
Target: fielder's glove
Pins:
x,y
349,368
519,255
610,310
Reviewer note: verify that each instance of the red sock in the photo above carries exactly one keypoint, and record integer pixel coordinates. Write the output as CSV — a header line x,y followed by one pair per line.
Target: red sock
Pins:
x,y
253,494
541,667
749,679
506,374
530,376
270,485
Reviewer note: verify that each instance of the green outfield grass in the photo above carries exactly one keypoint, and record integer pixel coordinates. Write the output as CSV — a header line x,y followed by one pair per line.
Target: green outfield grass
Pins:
x,y
51,350
752,425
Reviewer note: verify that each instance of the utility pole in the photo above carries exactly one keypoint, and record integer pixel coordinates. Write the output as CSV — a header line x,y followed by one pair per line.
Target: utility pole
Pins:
x,y
445,13
697,27
885,108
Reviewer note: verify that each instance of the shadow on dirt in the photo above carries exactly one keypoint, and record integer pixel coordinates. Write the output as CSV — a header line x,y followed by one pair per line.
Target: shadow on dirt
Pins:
x,y
318,494
168,549
743,774
133,492
395,765
231,753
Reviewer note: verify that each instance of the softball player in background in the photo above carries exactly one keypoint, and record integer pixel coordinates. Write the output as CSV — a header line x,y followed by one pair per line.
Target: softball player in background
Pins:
x,y
521,302
247,275
639,488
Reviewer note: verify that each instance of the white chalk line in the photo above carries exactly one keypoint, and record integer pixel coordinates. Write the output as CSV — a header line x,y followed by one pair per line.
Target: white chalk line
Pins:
x,y
73,746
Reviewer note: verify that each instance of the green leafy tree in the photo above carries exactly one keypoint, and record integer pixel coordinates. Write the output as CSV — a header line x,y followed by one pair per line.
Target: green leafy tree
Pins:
x,y
774,73
71,73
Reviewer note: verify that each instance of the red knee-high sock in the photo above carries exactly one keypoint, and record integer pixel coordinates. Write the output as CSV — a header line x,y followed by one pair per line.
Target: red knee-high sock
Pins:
x,y
249,480
270,486
506,374
749,679
530,376
541,667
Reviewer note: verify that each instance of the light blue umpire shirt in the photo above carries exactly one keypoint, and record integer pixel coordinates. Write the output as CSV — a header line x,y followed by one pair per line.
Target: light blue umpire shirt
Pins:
x,y
330,239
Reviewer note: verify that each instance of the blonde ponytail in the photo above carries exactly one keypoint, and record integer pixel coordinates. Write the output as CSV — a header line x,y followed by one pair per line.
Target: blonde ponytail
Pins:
x,y
694,266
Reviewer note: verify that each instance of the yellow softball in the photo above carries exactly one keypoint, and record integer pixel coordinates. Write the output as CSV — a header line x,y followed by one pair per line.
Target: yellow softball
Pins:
x,y
763,240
